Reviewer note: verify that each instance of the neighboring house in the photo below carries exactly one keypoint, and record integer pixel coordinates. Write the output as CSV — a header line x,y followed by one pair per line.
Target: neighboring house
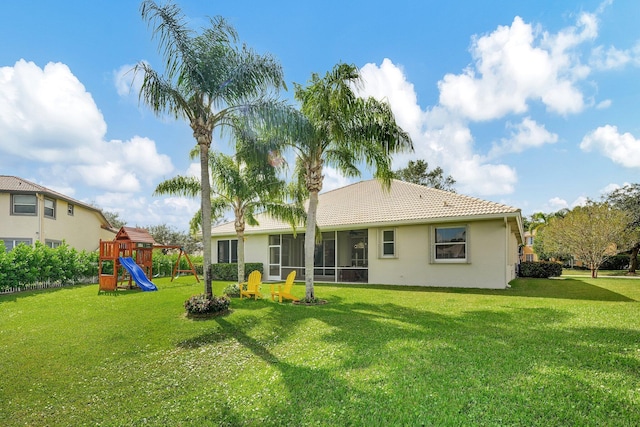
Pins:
x,y
527,250
30,212
409,235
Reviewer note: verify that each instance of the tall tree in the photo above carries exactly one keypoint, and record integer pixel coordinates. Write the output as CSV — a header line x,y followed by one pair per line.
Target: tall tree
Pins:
x,y
337,128
417,172
627,198
592,233
246,189
208,78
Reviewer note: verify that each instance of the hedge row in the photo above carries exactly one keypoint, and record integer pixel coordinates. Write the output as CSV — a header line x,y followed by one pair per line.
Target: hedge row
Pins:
x,y
26,265
229,271
540,269
163,264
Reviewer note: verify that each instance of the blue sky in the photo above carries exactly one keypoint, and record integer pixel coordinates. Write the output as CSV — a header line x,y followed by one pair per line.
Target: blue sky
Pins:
x,y
532,104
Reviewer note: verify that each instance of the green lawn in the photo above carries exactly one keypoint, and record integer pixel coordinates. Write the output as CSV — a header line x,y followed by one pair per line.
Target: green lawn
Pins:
x,y
545,352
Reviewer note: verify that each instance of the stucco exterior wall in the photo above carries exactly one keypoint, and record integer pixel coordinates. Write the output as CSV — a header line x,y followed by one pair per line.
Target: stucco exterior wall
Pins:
x,y
492,256
82,230
486,266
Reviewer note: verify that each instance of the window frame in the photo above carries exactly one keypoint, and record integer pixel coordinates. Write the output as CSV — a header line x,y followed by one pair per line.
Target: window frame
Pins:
x,y
230,248
52,208
52,243
393,242
13,241
435,245
13,205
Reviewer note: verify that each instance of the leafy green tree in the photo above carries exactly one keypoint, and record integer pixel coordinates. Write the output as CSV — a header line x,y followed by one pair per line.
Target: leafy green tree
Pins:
x,y
627,199
418,172
592,233
337,128
208,79
245,188
167,235
114,219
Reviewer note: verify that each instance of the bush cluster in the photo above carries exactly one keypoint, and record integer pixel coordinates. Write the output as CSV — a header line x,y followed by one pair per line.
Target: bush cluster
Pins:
x,y
618,262
540,269
163,264
232,290
201,304
229,271
40,264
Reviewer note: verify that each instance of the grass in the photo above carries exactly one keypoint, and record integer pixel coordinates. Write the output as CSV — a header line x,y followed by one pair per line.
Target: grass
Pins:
x,y
545,352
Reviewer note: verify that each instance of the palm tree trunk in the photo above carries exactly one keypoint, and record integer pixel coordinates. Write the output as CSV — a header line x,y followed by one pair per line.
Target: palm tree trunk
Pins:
x,y
310,245
239,225
205,207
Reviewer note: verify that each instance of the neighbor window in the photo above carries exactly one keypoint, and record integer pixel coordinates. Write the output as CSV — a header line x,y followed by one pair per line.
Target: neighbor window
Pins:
x,y
529,241
528,257
388,243
10,243
52,243
450,244
70,209
24,204
50,208
227,251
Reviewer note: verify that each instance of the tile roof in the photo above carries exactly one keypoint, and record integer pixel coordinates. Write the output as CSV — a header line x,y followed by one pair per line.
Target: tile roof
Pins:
x,y
10,183
367,203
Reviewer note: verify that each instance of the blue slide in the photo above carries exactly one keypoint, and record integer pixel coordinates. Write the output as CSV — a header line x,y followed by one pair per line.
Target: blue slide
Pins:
x,y
138,275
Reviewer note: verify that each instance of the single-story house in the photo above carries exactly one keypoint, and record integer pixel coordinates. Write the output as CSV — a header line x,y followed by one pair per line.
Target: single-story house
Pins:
x,y
407,235
30,212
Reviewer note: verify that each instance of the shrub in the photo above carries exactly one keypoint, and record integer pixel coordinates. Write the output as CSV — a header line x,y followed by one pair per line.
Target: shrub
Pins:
x,y
540,269
233,290
201,304
618,262
229,271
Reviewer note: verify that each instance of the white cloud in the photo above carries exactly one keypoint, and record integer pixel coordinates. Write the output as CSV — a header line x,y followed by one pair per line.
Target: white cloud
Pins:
x,y
527,134
333,179
388,82
439,136
516,64
609,59
126,81
555,204
623,149
603,105
47,116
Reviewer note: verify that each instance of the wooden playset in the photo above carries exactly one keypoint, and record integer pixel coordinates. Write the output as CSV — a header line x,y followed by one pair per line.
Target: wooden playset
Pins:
x,y
135,244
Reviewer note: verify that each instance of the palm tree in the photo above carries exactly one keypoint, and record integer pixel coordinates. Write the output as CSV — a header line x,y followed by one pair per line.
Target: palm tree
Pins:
x,y
337,128
245,188
208,78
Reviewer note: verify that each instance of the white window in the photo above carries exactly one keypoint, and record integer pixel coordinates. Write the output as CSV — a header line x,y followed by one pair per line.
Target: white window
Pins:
x,y
24,204
10,243
450,244
52,243
388,242
70,209
227,251
529,241
528,257
50,208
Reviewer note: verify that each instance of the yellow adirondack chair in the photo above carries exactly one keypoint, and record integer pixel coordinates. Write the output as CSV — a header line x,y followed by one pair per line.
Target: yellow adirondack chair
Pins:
x,y
284,289
253,285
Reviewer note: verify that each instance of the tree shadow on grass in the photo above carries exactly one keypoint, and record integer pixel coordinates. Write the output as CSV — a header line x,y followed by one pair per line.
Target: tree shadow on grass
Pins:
x,y
574,288
389,364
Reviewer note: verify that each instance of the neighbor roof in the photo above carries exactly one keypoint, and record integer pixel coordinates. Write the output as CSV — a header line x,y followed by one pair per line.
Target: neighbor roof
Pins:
x,y
368,203
14,184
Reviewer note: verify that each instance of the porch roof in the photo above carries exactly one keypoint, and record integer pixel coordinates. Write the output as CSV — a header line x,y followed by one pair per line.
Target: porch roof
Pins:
x,y
368,203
